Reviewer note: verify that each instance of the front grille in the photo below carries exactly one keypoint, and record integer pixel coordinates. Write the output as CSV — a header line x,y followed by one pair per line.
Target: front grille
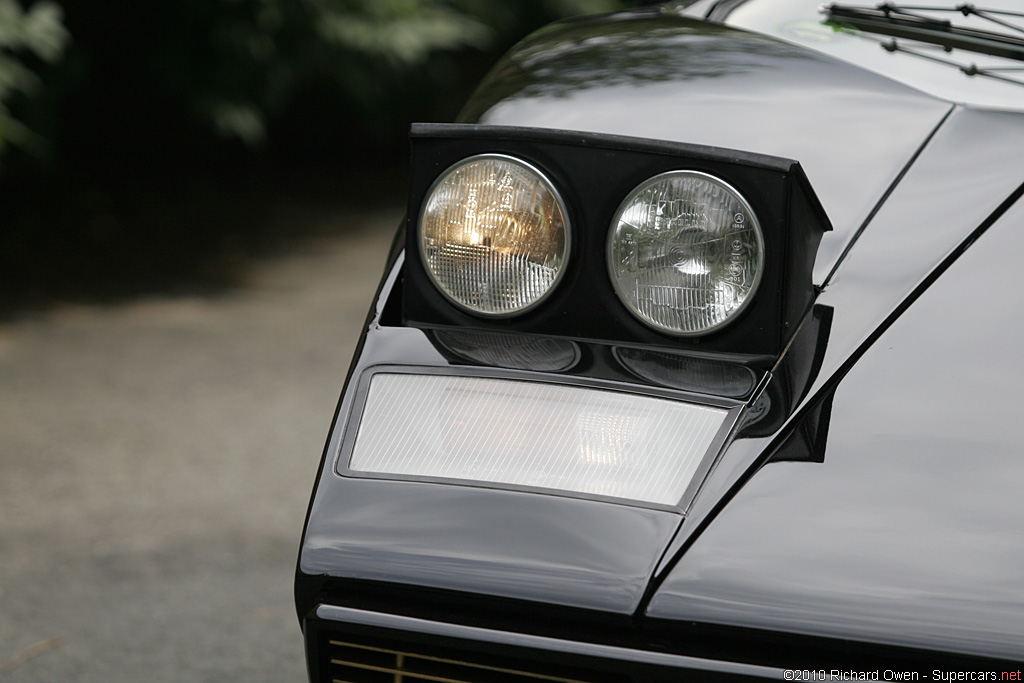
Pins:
x,y
359,660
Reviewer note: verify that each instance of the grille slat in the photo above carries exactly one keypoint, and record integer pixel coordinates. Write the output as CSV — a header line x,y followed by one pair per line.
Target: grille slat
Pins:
x,y
361,662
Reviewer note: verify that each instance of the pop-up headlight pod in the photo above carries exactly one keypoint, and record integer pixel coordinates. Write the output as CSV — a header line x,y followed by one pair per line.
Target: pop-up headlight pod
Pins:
x,y
670,244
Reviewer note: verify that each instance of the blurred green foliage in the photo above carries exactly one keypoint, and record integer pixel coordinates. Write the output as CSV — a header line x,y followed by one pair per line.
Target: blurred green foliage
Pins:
x,y
138,74
37,33
151,142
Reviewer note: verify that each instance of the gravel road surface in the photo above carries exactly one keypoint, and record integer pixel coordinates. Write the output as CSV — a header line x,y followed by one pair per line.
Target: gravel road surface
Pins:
x,y
156,459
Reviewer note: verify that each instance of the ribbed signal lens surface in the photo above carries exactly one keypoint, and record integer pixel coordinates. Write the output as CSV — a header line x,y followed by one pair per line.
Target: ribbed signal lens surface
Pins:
x,y
494,235
521,433
685,253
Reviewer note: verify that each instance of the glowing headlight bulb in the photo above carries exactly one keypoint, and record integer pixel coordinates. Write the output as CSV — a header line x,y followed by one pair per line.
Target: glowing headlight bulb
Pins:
x,y
494,235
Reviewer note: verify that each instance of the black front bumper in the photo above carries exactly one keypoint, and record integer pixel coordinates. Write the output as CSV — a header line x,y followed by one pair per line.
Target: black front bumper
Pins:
x,y
359,646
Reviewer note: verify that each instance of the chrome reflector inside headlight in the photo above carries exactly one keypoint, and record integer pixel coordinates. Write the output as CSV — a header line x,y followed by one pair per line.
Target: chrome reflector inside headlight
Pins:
x,y
685,253
494,235
524,433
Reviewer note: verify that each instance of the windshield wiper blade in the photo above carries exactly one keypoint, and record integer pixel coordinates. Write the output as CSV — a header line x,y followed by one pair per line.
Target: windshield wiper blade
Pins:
x,y
891,20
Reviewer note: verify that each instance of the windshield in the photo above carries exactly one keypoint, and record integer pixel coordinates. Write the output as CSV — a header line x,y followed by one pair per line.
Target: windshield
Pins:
x,y
959,74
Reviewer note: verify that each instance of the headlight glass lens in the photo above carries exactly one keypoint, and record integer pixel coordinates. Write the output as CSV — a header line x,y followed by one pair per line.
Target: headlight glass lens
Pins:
x,y
494,235
685,253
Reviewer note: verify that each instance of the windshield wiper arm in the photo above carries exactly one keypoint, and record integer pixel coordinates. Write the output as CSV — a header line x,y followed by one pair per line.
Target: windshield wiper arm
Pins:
x,y
891,20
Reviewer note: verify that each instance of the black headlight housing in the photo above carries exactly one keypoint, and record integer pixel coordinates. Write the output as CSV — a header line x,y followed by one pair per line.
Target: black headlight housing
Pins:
x,y
594,173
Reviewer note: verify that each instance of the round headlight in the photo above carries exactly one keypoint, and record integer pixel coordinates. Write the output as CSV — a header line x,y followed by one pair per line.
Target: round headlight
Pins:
x,y
685,253
494,235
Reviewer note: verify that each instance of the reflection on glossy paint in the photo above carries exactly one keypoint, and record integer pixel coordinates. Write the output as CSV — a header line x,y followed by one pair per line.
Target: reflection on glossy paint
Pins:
x,y
505,350
503,543
924,221
909,531
670,78
689,373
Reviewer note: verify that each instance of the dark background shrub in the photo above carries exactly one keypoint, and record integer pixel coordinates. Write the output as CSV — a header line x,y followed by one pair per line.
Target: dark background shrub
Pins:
x,y
140,142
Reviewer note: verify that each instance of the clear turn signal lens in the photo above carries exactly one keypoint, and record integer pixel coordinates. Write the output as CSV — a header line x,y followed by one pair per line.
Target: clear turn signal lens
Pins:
x,y
494,235
534,434
685,253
